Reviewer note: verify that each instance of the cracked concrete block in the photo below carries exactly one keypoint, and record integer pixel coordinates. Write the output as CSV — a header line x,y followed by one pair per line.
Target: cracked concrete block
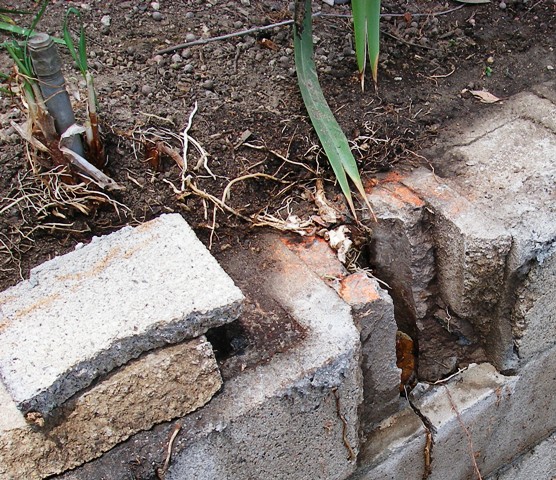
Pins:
x,y
91,310
373,312
471,254
506,170
292,416
471,249
403,254
539,462
162,385
394,450
489,417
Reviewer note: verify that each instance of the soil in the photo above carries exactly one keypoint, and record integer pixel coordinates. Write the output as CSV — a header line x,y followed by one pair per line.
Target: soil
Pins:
x,y
250,118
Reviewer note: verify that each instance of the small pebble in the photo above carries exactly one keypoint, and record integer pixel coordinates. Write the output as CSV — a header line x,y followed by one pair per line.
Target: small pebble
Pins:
x,y
157,16
146,89
188,68
155,6
176,58
208,84
105,21
190,37
550,67
502,5
189,15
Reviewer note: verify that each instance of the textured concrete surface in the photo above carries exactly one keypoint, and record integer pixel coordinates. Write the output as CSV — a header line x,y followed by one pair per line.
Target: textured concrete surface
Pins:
x,y
294,416
480,421
162,385
537,463
395,450
87,312
373,313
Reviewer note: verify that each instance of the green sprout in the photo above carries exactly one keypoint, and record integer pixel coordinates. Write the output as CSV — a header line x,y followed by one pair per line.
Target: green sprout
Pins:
x,y
366,26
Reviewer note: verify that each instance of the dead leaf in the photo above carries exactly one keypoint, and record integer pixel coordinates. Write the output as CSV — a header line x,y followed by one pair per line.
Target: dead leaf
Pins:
x,y
484,96
338,241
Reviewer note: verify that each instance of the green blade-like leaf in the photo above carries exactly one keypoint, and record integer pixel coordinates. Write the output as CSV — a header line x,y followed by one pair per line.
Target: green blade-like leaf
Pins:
x,y
330,134
79,55
366,25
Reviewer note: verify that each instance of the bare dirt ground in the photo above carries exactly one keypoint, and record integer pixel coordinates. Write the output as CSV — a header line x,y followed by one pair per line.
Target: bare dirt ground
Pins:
x,y
250,118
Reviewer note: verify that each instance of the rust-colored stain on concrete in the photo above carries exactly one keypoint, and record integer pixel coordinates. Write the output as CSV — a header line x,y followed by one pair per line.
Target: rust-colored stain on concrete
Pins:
x,y
358,289
317,255
405,195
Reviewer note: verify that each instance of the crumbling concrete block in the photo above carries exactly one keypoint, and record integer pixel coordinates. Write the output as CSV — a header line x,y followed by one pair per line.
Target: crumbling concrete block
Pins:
x,y
395,450
160,386
403,254
87,312
373,313
495,224
471,254
292,416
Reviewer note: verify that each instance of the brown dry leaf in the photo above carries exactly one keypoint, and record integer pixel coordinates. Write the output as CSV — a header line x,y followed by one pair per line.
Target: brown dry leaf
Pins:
x,y
484,96
405,359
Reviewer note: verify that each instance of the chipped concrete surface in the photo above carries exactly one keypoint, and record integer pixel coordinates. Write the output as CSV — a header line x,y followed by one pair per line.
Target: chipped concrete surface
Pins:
x,y
162,385
87,312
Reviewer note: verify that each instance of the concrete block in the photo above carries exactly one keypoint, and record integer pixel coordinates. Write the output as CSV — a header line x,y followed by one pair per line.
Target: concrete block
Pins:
x,y
87,312
402,252
160,386
504,165
471,254
534,313
292,416
395,450
537,463
489,417
373,312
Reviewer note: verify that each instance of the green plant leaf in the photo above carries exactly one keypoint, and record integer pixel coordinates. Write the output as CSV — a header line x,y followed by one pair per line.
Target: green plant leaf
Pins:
x,y
79,55
330,134
366,25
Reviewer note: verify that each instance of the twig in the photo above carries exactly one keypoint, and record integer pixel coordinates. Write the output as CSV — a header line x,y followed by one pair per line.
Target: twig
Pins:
x,y
164,469
467,434
242,33
352,455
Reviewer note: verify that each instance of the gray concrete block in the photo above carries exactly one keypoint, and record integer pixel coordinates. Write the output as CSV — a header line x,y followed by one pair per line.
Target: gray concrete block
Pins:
x,y
293,416
373,312
534,313
395,450
489,417
87,312
404,255
471,250
537,463
160,386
